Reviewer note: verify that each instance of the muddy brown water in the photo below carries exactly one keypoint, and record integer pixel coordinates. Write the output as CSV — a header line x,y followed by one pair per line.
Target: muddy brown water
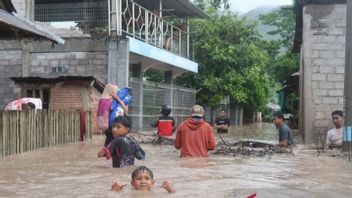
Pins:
x,y
73,170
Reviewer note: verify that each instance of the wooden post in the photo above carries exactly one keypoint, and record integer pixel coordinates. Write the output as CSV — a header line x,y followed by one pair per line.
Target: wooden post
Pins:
x,y
348,82
1,134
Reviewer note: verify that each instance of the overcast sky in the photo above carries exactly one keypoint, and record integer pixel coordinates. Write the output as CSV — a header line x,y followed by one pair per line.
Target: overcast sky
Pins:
x,y
243,6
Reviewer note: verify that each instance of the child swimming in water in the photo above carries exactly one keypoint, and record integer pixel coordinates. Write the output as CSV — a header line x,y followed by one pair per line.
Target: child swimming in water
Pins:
x,y
142,179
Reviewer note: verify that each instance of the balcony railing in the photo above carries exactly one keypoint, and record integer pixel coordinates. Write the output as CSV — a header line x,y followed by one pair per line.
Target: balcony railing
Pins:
x,y
121,17
138,22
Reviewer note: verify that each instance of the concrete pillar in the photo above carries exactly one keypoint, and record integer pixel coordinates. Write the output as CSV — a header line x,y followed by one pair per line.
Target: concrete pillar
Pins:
x,y
26,57
236,114
118,66
137,74
168,94
240,115
233,114
29,10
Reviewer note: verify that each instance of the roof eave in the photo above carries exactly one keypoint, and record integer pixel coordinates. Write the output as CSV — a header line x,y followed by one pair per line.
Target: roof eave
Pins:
x,y
28,26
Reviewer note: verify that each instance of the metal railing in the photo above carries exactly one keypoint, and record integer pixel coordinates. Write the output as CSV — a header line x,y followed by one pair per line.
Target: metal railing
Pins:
x,y
181,100
145,25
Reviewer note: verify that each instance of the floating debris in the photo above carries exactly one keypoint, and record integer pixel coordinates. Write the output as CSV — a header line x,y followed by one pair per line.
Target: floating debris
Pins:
x,y
248,148
152,138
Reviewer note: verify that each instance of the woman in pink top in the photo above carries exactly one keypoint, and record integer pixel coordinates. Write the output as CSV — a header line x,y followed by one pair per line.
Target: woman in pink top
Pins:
x,y
104,105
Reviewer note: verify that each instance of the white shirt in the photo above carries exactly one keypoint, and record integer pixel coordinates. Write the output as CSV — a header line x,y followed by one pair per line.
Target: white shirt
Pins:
x,y
334,137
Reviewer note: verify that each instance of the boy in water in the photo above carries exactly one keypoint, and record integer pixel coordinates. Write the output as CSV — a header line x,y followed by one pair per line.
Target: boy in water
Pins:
x,y
142,179
122,149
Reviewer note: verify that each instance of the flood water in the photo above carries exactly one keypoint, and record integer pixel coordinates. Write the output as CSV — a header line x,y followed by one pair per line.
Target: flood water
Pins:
x,y
74,171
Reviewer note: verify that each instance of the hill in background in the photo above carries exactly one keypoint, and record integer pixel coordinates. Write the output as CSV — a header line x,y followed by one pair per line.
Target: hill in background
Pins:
x,y
263,29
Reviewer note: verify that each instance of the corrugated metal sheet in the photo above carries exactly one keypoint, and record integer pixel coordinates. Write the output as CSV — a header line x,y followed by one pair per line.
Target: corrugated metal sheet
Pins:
x,y
24,28
39,80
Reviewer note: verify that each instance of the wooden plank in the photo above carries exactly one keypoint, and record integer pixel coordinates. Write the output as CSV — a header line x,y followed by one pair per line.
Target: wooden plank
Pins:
x,y
1,134
76,127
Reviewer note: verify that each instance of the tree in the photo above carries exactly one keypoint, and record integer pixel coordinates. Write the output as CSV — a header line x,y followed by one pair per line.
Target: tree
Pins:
x,y
215,4
283,20
231,62
283,61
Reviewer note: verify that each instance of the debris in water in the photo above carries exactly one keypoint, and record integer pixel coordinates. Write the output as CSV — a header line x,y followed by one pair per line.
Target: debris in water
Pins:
x,y
248,148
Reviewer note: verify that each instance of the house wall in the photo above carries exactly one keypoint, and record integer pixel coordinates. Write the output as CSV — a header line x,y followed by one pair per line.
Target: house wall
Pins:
x,y
10,65
66,97
20,6
322,67
82,56
71,96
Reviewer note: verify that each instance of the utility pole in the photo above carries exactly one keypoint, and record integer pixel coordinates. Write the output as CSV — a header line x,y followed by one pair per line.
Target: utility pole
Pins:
x,y
348,81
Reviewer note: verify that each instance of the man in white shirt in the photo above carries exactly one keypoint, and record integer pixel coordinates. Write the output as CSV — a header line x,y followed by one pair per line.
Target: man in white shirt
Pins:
x,y
334,136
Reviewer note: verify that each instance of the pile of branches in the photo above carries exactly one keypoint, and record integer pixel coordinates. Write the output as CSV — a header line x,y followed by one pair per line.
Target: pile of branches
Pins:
x,y
152,138
248,148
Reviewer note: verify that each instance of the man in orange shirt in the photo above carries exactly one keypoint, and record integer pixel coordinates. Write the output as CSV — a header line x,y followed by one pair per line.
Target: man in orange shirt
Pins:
x,y
194,136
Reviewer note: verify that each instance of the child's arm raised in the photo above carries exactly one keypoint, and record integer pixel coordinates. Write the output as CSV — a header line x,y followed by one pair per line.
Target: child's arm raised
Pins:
x,y
168,186
117,186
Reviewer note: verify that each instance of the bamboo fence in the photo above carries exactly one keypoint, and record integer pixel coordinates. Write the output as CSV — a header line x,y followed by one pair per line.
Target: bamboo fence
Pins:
x,y
22,131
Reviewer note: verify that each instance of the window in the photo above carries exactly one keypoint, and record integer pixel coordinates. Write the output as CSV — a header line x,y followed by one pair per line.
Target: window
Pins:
x,y
43,94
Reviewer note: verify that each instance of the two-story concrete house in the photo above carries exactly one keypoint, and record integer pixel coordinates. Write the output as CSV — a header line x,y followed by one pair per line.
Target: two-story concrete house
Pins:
x,y
113,41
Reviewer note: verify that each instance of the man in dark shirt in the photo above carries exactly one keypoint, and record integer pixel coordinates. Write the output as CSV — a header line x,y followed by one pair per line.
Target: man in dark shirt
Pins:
x,y
222,123
285,136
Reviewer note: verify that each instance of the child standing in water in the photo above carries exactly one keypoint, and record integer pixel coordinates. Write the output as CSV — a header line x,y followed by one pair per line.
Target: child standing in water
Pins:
x,y
122,149
142,179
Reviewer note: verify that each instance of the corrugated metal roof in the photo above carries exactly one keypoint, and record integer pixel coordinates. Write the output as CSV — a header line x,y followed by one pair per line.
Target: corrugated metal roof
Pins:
x,y
41,80
25,28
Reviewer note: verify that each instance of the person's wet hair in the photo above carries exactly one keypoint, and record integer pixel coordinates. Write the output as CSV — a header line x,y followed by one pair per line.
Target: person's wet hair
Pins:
x,y
278,114
337,112
140,169
124,120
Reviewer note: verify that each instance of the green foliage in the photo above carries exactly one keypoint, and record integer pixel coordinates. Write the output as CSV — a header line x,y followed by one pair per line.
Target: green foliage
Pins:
x,y
154,76
283,61
284,22
213,6
230,62
284,66
233,59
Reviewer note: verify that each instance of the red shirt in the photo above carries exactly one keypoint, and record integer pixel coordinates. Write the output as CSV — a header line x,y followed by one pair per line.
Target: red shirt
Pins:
x,y
195,138
165,125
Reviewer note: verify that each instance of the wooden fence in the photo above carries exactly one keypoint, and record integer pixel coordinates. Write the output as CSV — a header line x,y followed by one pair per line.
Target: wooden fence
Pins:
x,y
22,131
